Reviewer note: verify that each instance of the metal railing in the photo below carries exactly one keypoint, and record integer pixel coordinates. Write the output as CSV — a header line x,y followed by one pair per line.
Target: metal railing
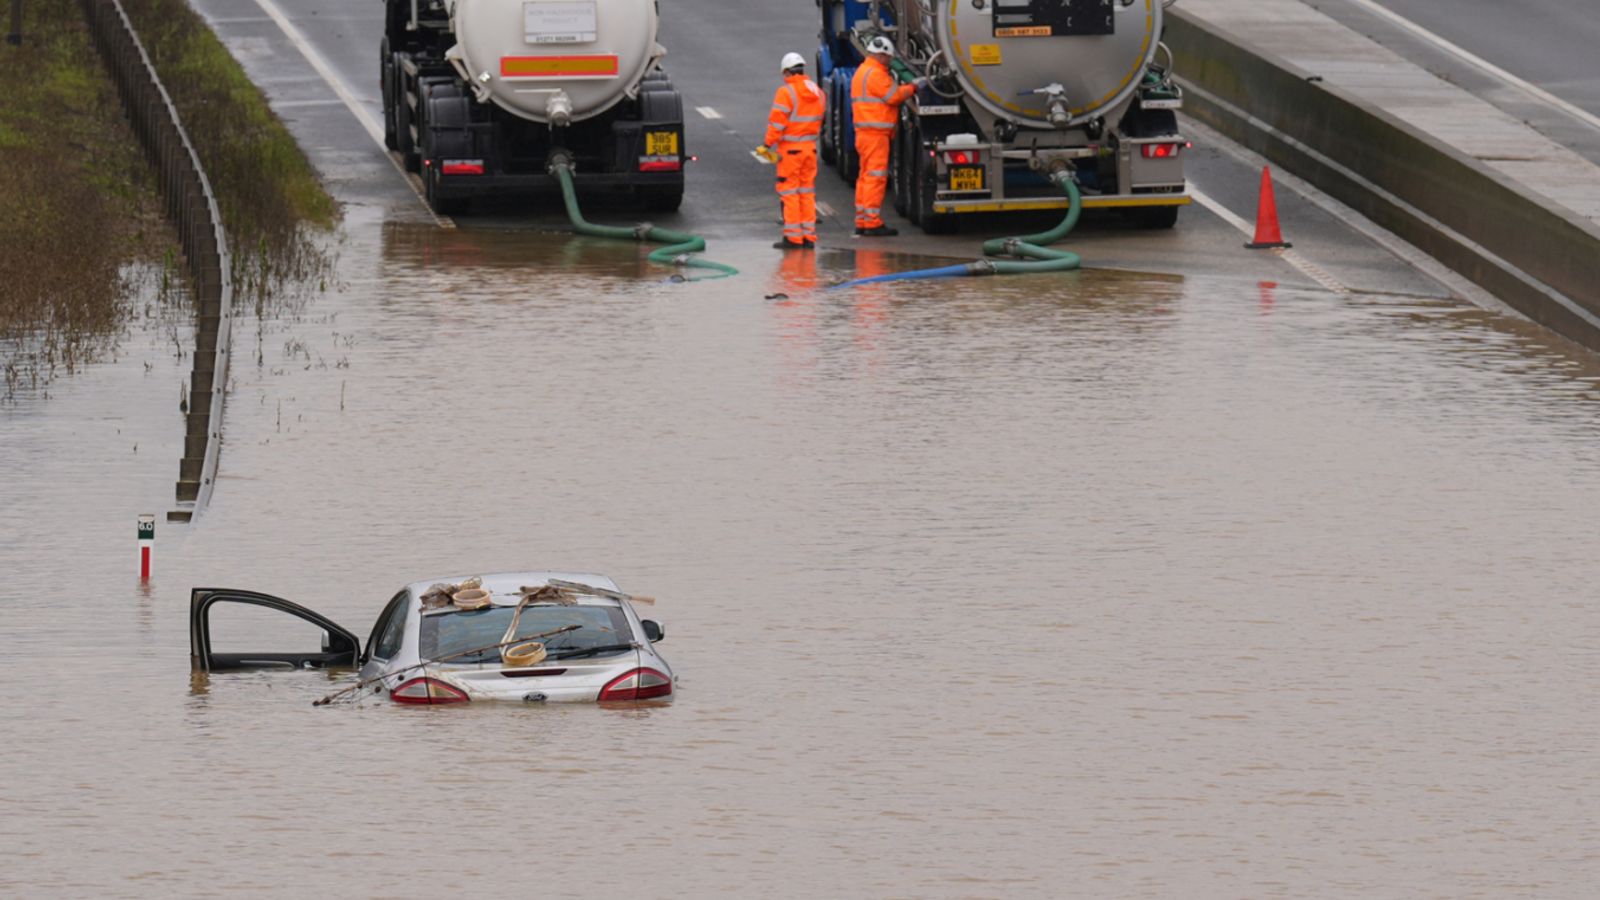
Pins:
x,y
192,207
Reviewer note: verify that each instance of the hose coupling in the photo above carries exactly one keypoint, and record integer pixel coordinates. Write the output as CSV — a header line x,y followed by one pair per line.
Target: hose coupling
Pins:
x,y
681,260
559,159
641,231
981,267
1011,246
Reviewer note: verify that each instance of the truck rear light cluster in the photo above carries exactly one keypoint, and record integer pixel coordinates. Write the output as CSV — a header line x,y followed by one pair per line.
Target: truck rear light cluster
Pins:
x,y
660,164
1163,151
461,167
637,684
963,157
428,692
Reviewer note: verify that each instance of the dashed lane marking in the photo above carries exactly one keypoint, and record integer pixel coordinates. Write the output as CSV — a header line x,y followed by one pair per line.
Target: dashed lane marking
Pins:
x,y
368,120
708,112
1308,268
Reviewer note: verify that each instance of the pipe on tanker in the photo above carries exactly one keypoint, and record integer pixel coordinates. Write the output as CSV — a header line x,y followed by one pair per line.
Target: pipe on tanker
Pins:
x,y
680,244
1032,251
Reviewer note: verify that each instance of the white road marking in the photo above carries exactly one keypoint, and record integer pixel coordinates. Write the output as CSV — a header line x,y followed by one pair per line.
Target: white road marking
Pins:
x,y
825,209
1387,240
708,112
1582,115
1308,268
365,116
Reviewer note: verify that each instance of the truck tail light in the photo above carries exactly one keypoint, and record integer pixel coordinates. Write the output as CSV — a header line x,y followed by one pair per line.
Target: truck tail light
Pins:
x,y
428,691
461,167
637,684
963,157
1162,151
660,164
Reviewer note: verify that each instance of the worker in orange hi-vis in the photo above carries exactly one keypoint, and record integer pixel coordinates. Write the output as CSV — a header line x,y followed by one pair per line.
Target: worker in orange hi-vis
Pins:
x,y
791,142
875,101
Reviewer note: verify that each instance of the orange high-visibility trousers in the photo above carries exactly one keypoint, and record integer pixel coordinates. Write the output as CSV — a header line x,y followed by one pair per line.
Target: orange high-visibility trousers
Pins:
x,y
873,181
797,187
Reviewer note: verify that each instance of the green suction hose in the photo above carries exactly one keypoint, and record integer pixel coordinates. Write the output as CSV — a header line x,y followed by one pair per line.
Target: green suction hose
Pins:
x,y
1034,247
680,244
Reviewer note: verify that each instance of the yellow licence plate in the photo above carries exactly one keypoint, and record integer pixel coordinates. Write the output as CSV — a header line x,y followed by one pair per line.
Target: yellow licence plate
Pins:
x,y
966,178
661,143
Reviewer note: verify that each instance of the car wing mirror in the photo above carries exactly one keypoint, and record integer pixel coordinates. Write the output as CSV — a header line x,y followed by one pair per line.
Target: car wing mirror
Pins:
x,y
653,630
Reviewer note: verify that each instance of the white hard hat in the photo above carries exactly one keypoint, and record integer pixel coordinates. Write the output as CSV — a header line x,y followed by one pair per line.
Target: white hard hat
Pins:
x,y
880,44
791,60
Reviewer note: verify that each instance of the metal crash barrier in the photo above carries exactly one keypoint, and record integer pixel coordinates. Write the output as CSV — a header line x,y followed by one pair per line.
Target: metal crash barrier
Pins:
x,y
192,208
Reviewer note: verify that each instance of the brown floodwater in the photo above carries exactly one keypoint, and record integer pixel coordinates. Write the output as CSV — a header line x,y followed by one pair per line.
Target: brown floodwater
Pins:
x,y
1100,585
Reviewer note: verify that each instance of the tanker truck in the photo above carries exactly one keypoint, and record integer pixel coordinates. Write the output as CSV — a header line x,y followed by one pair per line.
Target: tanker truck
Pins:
x,y
1017,89
479,94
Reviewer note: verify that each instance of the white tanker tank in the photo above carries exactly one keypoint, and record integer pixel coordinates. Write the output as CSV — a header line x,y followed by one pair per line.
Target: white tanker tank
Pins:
x,y
1018,88
547,61
479,94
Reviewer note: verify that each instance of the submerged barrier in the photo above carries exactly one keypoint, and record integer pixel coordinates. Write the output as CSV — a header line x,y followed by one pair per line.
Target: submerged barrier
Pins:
x,y
192,207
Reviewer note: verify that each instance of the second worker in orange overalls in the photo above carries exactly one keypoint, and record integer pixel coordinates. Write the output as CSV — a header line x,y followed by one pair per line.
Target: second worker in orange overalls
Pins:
x,y
875,103
792,131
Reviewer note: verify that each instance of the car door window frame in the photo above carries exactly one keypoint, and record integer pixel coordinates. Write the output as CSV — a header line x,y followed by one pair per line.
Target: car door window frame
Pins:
x,y
344,648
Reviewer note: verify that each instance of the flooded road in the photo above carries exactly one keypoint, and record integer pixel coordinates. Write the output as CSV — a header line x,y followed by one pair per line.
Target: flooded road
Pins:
x,y
1109,585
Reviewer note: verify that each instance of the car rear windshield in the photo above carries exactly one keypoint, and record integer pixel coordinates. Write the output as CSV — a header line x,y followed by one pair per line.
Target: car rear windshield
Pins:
x,y
449,633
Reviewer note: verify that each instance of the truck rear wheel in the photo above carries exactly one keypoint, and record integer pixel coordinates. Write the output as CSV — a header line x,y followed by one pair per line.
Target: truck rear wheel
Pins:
x,y
386,79
924,174
899,170
402,119
829,146
845,133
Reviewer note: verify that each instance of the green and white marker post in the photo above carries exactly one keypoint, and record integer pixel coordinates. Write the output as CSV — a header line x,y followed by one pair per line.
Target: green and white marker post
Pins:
x,y
147,544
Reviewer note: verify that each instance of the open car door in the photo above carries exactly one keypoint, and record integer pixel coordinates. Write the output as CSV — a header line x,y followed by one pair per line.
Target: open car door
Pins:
x,y
307,641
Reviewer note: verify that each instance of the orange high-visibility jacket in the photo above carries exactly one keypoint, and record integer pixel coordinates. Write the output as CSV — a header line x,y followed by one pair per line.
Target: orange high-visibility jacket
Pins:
x,y
875,100
796,112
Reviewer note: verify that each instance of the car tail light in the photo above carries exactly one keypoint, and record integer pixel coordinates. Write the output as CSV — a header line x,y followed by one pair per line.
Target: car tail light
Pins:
x,y
637,684
962,157
461,167
1161,151
427,691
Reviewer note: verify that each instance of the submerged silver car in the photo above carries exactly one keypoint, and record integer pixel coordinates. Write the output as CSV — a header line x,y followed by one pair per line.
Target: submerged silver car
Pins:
x,y
523,636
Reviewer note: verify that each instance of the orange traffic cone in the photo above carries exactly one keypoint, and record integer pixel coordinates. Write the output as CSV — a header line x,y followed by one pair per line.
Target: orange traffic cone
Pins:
x,y
1267,234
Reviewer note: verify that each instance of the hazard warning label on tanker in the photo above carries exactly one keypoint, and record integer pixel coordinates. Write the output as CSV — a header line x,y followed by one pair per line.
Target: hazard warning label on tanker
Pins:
x,y
1049,18
985,54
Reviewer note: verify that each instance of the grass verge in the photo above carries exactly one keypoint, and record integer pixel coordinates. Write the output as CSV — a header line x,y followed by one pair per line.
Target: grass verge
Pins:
x,y
271,199
78,202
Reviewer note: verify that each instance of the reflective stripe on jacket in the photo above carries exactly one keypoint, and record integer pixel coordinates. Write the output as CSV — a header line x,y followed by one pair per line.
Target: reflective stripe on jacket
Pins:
x,y
796,112
874,99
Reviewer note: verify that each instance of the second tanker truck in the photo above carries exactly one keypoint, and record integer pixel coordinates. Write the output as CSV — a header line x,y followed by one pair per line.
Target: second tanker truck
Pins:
x,y
478,95
1017,89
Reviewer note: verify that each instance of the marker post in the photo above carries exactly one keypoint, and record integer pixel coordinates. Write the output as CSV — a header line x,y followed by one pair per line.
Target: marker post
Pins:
x,y
147,544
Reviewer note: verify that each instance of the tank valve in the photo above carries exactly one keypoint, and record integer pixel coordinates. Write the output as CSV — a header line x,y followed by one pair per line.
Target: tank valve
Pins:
x,y
1060,113
559,109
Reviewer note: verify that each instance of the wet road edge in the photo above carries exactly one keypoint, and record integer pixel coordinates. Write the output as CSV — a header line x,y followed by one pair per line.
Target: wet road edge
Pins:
x,y
1541,260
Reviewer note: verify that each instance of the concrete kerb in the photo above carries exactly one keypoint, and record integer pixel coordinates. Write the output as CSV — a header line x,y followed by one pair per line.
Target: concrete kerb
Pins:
x,y
1541,260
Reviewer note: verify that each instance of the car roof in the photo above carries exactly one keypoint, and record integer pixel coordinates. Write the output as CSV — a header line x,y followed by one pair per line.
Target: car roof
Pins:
x,y
511,582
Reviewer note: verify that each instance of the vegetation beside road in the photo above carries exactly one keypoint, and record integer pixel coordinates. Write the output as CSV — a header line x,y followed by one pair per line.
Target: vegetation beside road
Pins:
x,y
266,188
78,201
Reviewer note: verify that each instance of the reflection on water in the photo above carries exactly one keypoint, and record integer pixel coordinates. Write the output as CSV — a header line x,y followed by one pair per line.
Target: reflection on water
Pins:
x,y
1150,587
